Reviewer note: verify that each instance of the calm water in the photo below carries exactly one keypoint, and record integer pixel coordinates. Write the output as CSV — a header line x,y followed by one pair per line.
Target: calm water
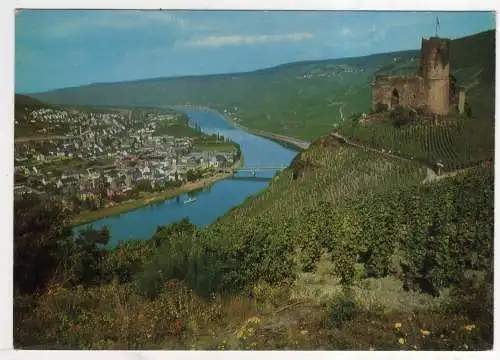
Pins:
x,y
212,202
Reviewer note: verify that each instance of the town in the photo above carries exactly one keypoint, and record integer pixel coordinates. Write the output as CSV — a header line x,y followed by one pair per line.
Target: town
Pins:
x,y
94,158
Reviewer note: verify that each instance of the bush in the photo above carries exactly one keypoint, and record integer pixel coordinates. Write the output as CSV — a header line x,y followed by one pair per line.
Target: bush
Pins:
x,y
341,310
127,259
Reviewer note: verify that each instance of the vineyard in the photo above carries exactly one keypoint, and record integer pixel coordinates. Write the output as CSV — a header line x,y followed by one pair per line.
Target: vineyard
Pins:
x,y
455,142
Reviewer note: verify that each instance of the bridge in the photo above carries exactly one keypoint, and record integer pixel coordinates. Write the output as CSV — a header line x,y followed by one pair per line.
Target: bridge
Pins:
x,y
252,169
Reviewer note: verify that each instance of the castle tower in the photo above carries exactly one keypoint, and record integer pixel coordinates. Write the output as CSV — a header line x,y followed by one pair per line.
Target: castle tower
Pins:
x,y
435,69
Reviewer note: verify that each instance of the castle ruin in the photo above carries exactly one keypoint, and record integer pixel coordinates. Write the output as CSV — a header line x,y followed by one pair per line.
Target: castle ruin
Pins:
x,y
429,89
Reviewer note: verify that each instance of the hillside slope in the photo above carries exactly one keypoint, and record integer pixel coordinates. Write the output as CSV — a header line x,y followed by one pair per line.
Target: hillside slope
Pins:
x,y
299,99
347,249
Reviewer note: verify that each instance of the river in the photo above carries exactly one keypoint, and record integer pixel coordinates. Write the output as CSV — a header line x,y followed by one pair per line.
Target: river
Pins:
x,y
213,201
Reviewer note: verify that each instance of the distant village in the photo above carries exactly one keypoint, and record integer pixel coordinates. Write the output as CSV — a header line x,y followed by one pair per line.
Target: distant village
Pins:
x,y
105,157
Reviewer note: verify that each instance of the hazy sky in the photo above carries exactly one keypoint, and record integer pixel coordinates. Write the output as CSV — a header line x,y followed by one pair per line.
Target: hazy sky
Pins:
x,y
57,49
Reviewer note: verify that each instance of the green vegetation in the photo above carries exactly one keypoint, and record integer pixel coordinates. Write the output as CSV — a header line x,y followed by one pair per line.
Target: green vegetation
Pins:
x,y
214,143
221,147
455,142
348,248
368,217
302,99
177,128
23,106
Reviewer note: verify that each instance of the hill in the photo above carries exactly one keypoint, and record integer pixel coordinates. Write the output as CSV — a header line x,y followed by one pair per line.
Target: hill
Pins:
x,y
302,99
24,104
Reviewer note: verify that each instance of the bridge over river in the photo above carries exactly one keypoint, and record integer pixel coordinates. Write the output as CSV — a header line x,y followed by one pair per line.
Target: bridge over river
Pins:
x,y
255,170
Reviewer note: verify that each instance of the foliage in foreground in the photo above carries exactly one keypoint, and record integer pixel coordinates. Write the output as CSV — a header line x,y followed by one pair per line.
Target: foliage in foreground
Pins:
x,y
114,317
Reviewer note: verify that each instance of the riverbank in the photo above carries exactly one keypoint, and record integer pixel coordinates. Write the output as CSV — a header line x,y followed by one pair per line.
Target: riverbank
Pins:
x,y
285,141
150,198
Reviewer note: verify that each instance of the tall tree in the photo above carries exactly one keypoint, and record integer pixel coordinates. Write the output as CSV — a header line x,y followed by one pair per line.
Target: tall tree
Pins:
x,y
41,241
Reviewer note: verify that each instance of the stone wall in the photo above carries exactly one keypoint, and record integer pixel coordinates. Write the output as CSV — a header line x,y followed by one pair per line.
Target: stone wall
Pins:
x,y
402,90
438,99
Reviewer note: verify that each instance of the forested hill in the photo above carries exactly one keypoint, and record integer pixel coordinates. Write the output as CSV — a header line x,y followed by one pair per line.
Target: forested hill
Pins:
x,y
297,99
24,104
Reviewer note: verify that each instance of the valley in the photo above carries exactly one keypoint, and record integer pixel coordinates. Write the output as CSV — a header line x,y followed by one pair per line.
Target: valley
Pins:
x,y
378,235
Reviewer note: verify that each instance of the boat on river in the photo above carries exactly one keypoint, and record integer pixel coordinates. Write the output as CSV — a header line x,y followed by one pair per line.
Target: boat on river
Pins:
x,y
190,200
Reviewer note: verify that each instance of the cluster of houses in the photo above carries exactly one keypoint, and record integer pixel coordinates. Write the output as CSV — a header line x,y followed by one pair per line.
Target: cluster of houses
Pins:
x,y
120,177
329,71
128,155
74,121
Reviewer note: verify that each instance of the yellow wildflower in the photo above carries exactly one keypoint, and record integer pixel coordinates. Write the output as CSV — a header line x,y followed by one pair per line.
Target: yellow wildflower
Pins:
x,y
425,332
470,327
402,341
398,325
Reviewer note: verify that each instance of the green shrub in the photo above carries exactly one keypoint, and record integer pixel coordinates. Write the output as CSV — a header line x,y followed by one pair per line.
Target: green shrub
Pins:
x,y
341,310
127,259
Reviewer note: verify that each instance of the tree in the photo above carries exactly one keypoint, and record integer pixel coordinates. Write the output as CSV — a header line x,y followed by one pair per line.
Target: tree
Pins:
x,y
102,187
89,251
191,175
42,240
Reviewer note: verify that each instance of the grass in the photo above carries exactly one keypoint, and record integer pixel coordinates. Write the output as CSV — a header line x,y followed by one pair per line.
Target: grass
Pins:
x,y
221,147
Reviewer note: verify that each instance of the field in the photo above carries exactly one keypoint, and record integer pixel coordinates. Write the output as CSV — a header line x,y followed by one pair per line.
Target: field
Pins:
x,y
211,146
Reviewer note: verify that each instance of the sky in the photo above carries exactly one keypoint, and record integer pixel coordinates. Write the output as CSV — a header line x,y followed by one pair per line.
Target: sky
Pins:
x,y
63,48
